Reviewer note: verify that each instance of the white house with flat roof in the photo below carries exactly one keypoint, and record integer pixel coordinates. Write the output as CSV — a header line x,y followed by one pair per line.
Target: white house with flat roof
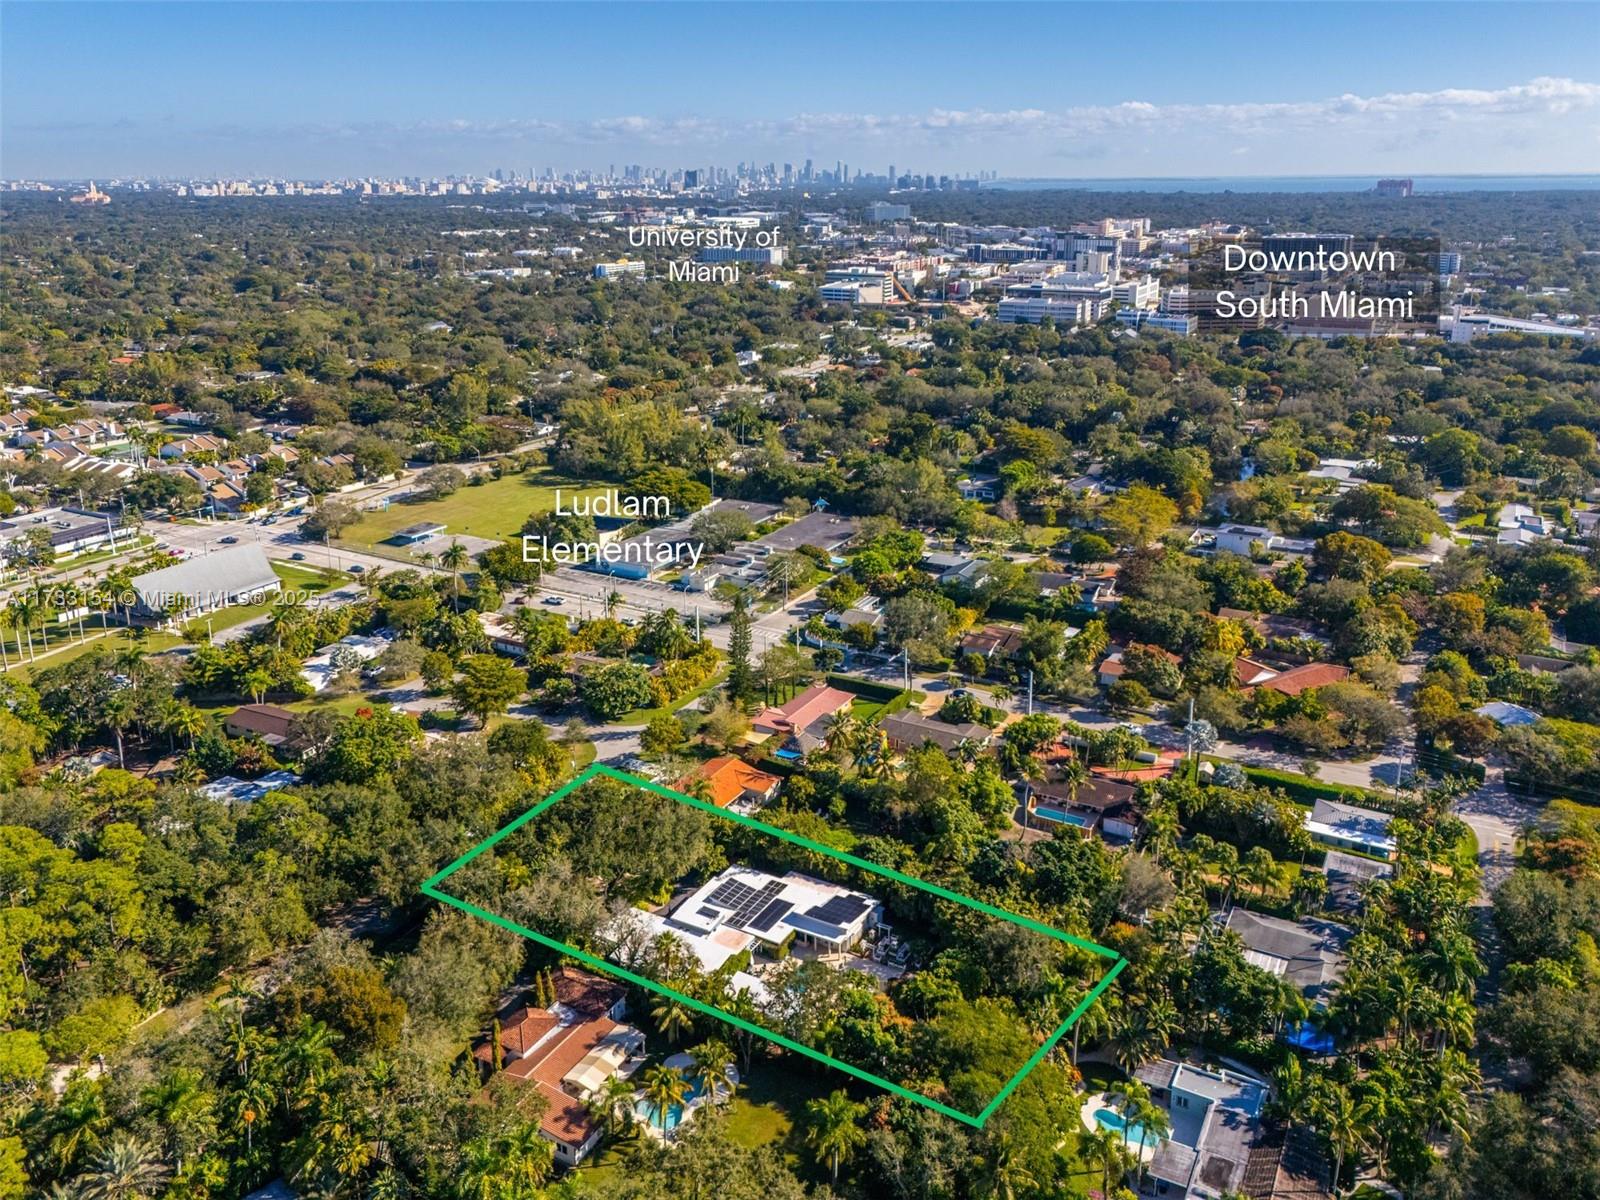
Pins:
x,y
1216,1122
1346,827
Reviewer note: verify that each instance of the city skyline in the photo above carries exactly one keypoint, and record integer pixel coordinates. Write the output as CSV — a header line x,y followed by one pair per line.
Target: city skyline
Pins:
x,y
344,90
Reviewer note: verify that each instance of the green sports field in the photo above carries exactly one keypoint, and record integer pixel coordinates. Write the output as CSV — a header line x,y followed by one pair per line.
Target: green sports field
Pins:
x,y
495,509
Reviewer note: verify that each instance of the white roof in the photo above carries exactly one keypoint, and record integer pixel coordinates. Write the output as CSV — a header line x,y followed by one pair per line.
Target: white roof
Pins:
x,y
1503,712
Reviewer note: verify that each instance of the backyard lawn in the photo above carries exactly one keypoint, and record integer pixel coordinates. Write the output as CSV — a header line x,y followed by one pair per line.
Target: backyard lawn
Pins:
x,y
495,509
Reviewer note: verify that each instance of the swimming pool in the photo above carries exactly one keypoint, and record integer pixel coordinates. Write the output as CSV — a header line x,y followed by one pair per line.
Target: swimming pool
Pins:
x,y
1060,815
1131,1131
647,1112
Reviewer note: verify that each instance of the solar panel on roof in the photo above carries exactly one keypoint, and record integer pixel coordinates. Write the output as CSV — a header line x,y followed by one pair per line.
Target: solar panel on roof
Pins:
x,y
731,894
770,914
841,910
749,907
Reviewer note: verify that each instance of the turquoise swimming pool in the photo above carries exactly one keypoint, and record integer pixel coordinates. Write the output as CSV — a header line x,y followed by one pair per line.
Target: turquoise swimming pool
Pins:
x,y
1131,1131
650,1115
1059,815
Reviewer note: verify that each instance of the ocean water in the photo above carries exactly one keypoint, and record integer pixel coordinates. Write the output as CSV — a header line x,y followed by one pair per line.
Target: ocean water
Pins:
x,y
1310,183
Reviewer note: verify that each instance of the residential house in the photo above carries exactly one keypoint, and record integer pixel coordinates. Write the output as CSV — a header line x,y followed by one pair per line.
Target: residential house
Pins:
x,y
566,1051
1305,677
1347,827
1096,805
734,784
200,443
910,730
234,790
979,487
1249,672
989,640
271,724
1112,667
1347,876
1215,1118
323,667
1505,714
803,718
771,910
1308,954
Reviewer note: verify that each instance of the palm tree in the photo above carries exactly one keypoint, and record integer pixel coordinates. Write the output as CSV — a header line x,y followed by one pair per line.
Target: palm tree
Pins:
x,y
256,682
1294,1092
22,612
79,1122
1104,1148
832,1129
666,1089
1095,1021
127,1169
251,1102
1340,1122
1153,1122
711,1062
843,732
613,600
672,1019
1259,869
183,1108
187,720
612,1106
454,559
1006,1173
1161,829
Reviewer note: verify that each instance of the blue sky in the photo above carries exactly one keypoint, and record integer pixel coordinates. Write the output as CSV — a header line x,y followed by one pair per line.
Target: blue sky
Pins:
x,y
316,89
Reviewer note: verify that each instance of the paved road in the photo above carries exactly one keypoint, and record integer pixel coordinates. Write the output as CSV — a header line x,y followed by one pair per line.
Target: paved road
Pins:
x,y
1497,818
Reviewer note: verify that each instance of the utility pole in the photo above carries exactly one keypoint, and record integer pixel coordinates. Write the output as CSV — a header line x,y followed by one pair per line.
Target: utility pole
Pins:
x,y
1030,691
1189,731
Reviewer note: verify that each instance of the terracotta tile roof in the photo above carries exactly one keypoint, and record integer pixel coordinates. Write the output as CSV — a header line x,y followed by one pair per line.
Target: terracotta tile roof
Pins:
x,y
540,1050
1250,672
1311,675
732,777
804,710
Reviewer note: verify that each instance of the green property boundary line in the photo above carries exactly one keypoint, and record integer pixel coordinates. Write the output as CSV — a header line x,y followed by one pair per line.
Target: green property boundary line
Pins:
x,y
431,888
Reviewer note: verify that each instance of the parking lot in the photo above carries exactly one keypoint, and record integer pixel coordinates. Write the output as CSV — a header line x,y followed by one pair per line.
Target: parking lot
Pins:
x,y
587,590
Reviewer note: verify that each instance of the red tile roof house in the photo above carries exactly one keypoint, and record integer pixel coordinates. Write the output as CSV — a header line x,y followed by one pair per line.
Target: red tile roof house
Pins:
x,y
804,717
1304,678
991,640
734,783
567,1051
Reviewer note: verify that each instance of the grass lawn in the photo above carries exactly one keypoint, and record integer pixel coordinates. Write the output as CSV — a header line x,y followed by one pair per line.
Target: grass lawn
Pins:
x,y
61,652
766,1110
295,579
495,509
867,711
770,1105
1098,1076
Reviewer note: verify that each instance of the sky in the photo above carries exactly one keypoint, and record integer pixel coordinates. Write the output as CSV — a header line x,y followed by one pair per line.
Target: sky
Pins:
x,y
333,90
